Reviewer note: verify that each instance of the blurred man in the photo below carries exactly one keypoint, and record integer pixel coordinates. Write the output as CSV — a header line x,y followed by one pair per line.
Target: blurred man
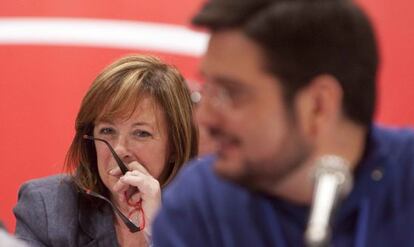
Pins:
x,y
288,82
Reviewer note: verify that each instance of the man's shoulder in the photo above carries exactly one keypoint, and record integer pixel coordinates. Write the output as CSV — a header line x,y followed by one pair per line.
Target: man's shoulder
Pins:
x,y
394,138
194,176
198,183
396,148
197,168
199,198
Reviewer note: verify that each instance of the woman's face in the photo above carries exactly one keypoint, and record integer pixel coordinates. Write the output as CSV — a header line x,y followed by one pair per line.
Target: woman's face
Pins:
x,y
143,138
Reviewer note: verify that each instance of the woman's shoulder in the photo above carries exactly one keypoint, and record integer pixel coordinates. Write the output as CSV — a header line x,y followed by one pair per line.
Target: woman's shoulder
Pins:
x,y
47,211
50,183
50,188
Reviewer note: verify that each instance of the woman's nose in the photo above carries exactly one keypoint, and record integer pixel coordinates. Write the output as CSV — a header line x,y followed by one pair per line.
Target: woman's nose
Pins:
x,y
122,149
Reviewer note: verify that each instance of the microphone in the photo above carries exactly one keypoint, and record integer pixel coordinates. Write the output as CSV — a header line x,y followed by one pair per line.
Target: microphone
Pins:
x,y
333,182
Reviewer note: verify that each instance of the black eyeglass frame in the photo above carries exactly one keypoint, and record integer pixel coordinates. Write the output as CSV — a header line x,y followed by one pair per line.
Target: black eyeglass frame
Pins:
x,y
124,169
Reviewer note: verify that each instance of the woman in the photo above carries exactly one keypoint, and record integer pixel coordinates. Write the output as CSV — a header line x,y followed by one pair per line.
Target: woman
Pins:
x,y
141,107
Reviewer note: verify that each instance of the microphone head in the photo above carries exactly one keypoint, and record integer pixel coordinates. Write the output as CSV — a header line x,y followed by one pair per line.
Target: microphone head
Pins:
x,y
339,168
333,182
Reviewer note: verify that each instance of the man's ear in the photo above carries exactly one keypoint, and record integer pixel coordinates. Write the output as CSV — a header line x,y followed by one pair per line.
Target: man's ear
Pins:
x,y
319,105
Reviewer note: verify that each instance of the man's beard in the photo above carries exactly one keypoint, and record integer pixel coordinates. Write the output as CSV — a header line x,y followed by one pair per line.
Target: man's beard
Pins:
x,y
263,175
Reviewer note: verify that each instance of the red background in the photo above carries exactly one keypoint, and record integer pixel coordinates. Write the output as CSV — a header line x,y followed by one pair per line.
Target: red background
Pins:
x,y
41,86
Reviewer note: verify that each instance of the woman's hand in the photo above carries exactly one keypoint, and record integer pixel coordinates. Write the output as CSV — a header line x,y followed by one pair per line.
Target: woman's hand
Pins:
x,y
148,189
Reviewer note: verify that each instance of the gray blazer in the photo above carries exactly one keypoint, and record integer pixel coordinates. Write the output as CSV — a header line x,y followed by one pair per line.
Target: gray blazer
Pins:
x,y
51,212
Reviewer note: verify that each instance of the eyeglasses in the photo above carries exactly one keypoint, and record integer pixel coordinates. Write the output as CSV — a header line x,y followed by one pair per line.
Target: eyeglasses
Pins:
x,y
138,207
131,225
118,160
219,97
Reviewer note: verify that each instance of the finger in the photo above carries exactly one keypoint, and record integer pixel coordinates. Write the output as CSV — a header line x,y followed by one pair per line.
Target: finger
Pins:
x,y
131,191
120,186
134,178
115,171
124,190
146,184
136,166
135,198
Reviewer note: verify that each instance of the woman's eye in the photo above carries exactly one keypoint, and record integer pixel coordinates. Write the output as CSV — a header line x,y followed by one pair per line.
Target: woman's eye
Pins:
x,y
142,133
106,131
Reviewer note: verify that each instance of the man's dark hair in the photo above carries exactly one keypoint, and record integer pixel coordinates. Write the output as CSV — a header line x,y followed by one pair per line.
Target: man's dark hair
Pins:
x,y
302,39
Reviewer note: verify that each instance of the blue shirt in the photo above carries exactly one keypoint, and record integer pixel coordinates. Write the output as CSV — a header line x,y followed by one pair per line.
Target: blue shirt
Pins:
x,y
201,209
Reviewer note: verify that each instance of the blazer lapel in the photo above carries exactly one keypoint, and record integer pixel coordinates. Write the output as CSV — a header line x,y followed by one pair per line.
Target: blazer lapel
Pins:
x,y
96,224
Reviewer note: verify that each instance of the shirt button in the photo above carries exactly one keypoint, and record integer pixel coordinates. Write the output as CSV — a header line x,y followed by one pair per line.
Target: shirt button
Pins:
x,y
377,174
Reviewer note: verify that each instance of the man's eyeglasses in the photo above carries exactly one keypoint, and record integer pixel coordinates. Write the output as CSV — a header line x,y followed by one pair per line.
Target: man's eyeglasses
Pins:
x,y
219,97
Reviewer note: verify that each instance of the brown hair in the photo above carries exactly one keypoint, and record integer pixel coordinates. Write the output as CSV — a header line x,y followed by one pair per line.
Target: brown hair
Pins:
x,y
116,92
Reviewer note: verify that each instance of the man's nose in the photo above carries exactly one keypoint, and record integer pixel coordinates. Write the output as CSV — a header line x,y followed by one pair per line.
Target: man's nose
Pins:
x,y
208,115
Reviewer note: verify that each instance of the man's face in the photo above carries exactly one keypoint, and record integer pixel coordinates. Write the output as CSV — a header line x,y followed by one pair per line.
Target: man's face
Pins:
x,y
259,140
